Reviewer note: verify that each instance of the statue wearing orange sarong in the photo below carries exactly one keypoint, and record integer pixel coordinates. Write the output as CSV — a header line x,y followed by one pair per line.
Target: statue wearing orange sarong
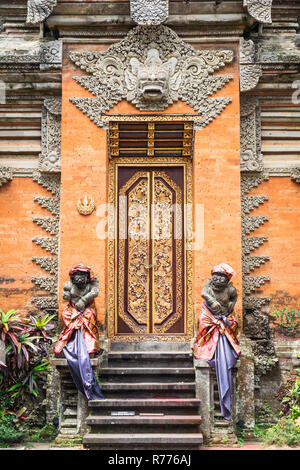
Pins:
x,y
216,340
80,313
79,337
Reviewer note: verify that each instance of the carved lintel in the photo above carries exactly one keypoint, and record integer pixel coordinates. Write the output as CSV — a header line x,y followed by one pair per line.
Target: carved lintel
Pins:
x,y
250,71
149,12
260,10
39,10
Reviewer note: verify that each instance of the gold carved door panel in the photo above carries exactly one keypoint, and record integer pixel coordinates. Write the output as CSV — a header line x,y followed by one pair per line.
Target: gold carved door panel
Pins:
x,y
150,257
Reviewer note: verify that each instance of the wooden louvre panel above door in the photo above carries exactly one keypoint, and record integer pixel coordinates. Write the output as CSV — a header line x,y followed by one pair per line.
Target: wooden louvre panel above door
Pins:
x,y
157,139
150,250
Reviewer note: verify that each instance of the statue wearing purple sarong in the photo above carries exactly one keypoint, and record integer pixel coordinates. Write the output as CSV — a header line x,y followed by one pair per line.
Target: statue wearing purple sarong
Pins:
x,y
216,340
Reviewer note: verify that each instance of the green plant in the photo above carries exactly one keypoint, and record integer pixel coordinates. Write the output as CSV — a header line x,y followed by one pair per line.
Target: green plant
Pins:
x,y
286,431
287,320
291,402
39,326
283,433
9,432
30,382
48,432
9,325
11,422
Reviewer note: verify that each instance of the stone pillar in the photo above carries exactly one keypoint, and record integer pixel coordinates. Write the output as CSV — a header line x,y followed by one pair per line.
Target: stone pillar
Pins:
x,y
204,393
245,407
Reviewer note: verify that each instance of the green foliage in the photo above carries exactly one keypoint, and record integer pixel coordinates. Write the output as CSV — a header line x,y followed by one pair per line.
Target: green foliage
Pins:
x,y
287,320
46,433
286,431
31,381
9,432
11,423
23,375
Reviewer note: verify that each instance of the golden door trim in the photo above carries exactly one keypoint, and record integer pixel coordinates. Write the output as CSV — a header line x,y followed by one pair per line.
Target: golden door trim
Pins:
x,y
112,246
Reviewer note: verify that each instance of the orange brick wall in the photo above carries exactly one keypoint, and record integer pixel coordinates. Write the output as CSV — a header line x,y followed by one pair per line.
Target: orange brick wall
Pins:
x,y
217,187
17,229
283,243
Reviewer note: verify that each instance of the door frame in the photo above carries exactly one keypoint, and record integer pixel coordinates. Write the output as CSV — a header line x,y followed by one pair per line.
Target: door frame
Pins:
x,y
139,162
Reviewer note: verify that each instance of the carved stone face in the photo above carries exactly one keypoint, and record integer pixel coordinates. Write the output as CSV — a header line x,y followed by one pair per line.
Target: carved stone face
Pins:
x,y
80,279
151,81
153,78
219,281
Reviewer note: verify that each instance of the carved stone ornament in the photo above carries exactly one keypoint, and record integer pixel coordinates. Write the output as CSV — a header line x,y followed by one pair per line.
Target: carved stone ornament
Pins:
x,y
6,175
250,72
250,180
50,243
18,51
85,205
152,68
39,10
49,158
149,12
250,131
260,10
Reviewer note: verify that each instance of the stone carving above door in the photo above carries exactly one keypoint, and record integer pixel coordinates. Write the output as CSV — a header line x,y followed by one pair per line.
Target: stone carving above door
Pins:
x,y
152,68
149,12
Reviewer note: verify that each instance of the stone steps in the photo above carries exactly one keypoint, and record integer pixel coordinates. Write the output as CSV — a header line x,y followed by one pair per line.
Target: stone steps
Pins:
x,y
153,394
143,441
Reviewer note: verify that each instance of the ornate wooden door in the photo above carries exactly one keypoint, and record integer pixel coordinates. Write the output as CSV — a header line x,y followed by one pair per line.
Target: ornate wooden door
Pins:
x,y
150,258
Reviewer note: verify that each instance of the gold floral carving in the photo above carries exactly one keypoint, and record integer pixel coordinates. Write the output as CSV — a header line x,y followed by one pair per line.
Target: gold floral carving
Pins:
x,y
161,256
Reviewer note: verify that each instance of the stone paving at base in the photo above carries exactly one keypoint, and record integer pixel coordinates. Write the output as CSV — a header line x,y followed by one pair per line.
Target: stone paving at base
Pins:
x,y
245,446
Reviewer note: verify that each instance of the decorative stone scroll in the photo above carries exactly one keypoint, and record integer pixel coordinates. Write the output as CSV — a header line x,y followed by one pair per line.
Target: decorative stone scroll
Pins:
x,y
39,10
260,10
6,175
49,283
152,68
149,12
250,133
250,180
295,174
250,71
49,158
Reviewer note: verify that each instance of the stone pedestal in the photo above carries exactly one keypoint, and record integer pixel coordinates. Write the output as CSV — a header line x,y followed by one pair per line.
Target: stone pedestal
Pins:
x,y
205,394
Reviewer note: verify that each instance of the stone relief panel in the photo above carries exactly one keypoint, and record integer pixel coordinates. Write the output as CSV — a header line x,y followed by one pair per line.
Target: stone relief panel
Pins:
x,y
250,131
250,71
49,158
149,12
152,68
17,52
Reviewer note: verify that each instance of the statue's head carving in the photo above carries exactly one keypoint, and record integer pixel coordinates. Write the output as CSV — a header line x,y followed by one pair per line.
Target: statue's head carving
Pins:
x,y
80,275
152,81
221,275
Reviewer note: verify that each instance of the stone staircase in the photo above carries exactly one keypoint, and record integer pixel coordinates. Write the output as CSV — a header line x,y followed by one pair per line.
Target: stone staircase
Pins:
x,y
150,403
